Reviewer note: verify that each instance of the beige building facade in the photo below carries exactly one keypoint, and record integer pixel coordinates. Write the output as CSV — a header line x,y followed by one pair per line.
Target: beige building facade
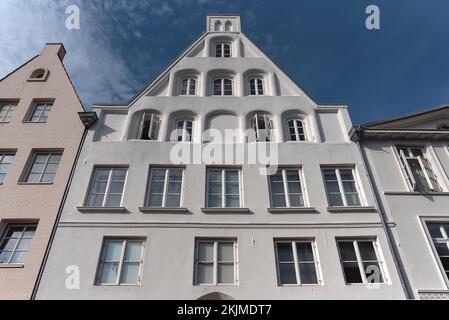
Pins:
x,y
40,133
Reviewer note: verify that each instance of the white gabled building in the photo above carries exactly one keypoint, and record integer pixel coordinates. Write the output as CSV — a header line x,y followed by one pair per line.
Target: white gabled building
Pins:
x,y
139,224
408,160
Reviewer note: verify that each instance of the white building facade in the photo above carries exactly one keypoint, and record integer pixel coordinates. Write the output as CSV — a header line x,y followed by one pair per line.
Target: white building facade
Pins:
x,y
408,160
160,208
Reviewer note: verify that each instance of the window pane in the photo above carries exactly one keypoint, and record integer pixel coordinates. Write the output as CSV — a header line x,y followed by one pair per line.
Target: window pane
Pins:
x,y
346,174
158,174
33,177
332,186
296,201
214,175
349,186
116,187
205,273
175,175
18,257
48,177
114,200
174,187
101,174
287,273
157,187
4,256
130,273
285,253
173,200
226,252
352,199
109,272
329,174
307,273
304,251
8,244
347,251
95,200
113,250
277,187
335,200
214,201
232,188
51,168
294,187
231,175
24,244
215,188
133,251
352,272
279,201
367,251
232,201
225,273
119,174
206,251
442,249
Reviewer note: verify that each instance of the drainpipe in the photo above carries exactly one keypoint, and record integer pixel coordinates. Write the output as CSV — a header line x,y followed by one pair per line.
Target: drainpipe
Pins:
x,y
356,134
88,119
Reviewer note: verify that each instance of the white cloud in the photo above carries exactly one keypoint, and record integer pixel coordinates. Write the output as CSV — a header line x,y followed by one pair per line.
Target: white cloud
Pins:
x,y
98,72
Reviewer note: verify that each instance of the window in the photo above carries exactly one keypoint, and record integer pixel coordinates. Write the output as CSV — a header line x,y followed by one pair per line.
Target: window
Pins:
x,y
184,130
43,167
417,169
360,261
296,130
297,262
255,87
39,74
440,239
222,87
6,159
39,111
6,110
223,188
106,189
121,262
286,189
148,126
165,187
443,127
16,243
188,87
216,262
262,126
223,50
341,187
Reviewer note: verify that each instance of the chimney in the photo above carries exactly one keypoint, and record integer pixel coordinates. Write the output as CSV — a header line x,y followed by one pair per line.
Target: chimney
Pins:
x,y
54,49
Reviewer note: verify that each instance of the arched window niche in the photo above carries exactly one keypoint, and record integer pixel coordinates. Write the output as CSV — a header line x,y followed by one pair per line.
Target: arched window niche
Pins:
x,y
39,74
296,127
187,83
256,83
221,83
260,126
222,126
222,47
145,125
182,126
228,26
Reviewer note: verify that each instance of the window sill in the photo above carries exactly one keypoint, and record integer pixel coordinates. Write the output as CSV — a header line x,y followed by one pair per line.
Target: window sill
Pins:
x,y
226,210
26,121
34,183
415,193
292,210
102,209
11,265
37,80
351,209
4,121
163,210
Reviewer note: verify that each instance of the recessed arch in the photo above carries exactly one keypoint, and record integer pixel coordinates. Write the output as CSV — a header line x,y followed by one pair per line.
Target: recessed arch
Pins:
x,y
296,126
187,132
221,39
186,82
145,123
255,82
223,122
216,296
228,26
39,74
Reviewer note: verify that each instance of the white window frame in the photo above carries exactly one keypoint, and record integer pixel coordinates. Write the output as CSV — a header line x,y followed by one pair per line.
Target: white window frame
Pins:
x,y
222,49
256,86
407,171
190,81
380,261
153,130
286,189
222,87
223,186
267,131
215,261
185,133
121,261
293,243
24,226
31,163
296,128
7,165
341,188
47,106
108,185
445,239
164,192
9,107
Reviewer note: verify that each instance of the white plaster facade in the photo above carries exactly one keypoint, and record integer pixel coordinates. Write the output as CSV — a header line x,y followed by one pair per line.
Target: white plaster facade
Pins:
x,y
168,268
407,208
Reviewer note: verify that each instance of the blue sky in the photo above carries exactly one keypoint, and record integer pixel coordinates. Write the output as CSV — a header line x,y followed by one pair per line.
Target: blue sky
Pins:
x,y
323,46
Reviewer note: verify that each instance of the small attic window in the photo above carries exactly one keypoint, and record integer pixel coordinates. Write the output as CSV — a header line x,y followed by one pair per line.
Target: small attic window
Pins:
x,y
228,26
443,127
218,26
39,75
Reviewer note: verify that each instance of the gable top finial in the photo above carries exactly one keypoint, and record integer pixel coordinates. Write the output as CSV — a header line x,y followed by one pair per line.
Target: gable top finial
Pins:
x,y
223,23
